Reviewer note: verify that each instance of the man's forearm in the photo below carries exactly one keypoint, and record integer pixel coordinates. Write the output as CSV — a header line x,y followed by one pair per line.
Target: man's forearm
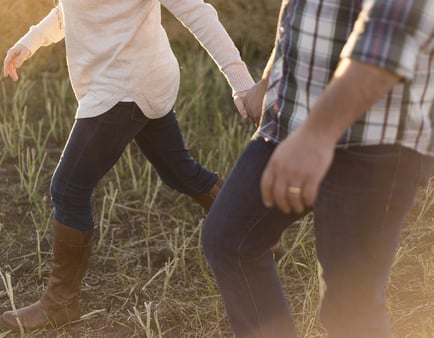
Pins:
x,y
268,66
354,88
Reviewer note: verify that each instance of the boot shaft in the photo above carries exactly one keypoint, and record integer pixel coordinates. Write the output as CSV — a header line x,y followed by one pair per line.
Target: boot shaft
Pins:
x,y
71,253
60,303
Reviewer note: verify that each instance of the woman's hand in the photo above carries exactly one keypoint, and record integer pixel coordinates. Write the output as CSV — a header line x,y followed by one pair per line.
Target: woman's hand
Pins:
x,y
249,102
239,103
14,60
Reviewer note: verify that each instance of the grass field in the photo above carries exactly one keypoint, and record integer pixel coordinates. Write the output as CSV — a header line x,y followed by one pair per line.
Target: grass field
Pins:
x,y
147,276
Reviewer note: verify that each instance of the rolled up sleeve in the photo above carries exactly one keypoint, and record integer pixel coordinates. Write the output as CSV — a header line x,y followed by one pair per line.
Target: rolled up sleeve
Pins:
x,y
391,34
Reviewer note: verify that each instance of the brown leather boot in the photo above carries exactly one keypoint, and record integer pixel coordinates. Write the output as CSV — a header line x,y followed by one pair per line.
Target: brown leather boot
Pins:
x,y
60,303
206,199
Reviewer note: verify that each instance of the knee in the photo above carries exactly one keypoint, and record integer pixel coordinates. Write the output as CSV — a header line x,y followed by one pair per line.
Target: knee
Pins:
x,y
57,190
69,193
71,204
218,249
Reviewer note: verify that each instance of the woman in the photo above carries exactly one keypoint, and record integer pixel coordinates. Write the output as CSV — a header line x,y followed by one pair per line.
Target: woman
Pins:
x,y
126,79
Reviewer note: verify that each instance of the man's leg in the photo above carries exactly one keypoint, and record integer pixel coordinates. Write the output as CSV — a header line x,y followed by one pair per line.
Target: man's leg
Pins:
x,y
358,217
237,236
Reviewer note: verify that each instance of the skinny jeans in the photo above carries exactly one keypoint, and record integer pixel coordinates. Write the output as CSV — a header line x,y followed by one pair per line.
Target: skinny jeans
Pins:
x,y
358,216
94,146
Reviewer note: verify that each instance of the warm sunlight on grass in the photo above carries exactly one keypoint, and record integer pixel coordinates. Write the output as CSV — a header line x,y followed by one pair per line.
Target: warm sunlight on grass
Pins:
x,y
147,276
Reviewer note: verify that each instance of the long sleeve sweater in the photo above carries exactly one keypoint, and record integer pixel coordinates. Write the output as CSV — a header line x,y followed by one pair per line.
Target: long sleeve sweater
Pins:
x,y
117,49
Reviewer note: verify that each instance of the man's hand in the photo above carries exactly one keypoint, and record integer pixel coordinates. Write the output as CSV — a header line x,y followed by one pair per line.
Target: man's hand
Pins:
x,y
14,60
295,170
253,100
292,177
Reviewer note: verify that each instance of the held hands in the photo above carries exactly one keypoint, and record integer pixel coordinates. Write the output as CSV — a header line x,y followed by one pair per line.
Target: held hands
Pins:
x,y
249,102
253,101
294,172
14,60
239,103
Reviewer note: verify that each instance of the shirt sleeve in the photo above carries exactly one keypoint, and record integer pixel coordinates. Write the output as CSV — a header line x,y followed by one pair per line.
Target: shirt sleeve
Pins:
x,y
49,30
391,34
202,21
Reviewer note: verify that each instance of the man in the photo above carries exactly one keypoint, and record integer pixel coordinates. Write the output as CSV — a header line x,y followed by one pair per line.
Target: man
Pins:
x,y
346,131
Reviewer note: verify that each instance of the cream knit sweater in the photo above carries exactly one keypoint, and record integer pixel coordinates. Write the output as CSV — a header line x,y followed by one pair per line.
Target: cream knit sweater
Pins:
x,y
117,49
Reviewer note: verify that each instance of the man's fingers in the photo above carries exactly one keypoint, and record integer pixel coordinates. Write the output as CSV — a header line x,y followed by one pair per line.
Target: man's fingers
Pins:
x,y
280,194
310,193
275,191
294,193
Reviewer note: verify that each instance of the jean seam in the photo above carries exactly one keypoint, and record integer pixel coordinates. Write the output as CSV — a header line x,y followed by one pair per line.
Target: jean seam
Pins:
x,y
79,155
245,278
392,186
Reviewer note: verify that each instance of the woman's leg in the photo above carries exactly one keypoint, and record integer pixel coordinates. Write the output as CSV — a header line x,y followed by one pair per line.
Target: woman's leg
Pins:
x,y
93,147
162,143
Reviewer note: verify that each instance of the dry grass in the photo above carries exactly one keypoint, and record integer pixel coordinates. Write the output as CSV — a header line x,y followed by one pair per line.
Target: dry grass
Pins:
x,y
147,276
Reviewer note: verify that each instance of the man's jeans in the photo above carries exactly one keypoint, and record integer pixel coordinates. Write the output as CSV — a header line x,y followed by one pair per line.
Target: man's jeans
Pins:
x,y
94,146
358,217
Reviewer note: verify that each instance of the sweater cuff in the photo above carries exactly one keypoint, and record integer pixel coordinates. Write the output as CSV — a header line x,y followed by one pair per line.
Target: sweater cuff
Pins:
x,y
238,77
32,40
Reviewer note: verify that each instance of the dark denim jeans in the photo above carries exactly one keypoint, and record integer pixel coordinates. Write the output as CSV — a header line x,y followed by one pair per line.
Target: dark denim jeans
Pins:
x,y
358,216
94,146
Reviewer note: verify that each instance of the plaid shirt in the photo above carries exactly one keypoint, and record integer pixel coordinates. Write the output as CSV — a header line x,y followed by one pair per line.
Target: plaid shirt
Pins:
x,y
314,35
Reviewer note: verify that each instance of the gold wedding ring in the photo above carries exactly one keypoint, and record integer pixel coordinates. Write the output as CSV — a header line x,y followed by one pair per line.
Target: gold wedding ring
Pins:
x,y
294,190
